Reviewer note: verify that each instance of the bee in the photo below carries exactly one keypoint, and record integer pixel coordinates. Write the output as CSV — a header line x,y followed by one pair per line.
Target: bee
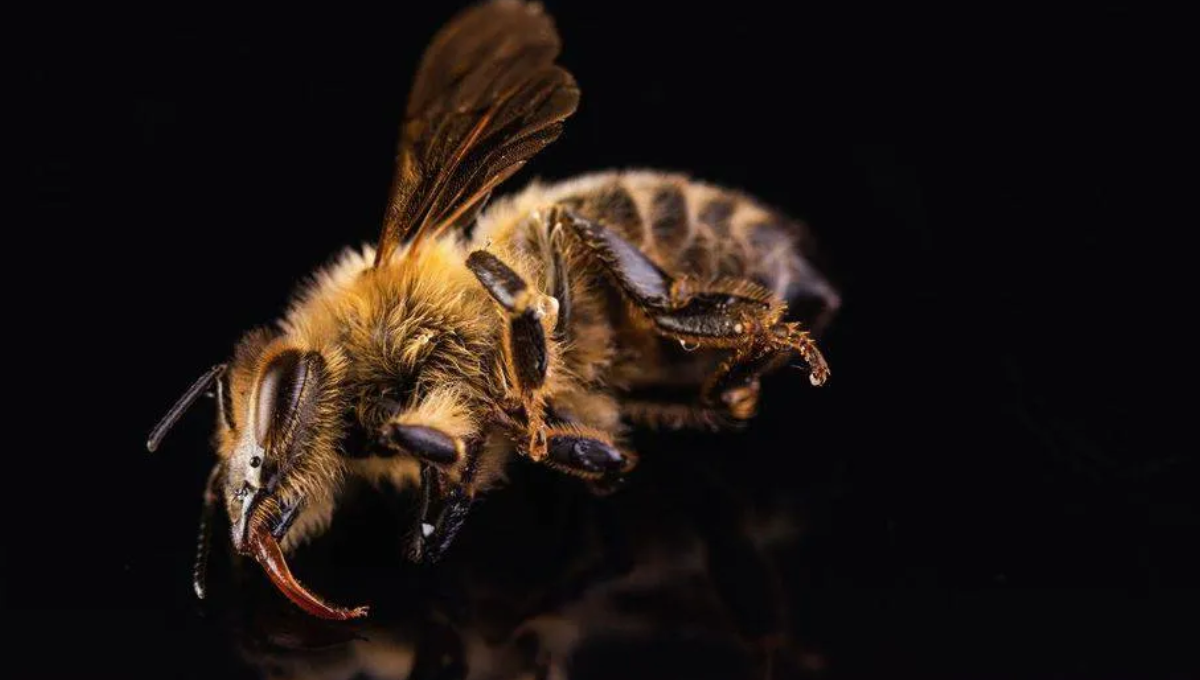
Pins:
x,y
539,328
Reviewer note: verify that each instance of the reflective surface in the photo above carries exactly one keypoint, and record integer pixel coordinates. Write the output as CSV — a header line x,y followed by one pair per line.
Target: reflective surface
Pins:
x,y
678,574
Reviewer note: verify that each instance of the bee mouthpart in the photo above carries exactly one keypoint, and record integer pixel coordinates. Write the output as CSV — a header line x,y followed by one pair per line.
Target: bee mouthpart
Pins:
x,y
241,528
265,549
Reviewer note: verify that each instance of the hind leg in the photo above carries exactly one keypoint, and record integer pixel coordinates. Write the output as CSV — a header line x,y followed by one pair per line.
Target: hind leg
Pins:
x,y
735,314
735,385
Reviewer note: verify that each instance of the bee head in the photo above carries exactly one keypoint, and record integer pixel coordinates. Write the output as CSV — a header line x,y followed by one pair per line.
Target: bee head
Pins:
x,y
280,422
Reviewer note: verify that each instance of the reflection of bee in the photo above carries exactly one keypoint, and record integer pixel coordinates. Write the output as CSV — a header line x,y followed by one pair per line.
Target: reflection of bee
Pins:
x,y
431,359
694,568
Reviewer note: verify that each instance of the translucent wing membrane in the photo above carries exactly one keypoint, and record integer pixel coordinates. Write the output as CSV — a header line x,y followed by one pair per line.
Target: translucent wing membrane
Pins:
x,y
486,98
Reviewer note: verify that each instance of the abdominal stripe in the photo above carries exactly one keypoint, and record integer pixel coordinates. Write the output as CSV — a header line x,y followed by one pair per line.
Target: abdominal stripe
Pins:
x,y
668,218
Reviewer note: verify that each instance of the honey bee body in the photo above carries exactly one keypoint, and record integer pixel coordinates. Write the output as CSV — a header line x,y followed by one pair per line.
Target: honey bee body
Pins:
x,y
398,335
572,311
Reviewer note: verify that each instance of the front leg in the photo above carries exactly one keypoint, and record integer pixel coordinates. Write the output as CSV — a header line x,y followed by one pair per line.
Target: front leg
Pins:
x,y
446,486
444,506
440,431
427,444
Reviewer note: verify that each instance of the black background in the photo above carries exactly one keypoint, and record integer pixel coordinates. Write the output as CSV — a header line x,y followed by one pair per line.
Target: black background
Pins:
x,y
983,500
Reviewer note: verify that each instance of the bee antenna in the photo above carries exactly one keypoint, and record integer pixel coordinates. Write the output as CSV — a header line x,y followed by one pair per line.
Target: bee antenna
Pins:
x,y
168,421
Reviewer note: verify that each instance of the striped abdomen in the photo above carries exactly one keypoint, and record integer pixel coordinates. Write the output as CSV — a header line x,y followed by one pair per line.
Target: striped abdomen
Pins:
x,y
698,230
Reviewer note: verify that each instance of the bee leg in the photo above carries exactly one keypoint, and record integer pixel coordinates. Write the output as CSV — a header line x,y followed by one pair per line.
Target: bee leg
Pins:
x,y
444,506
427,444
586,453
525,341
791,337
443,509
434,430
526,353
642,281
585,449
573,449
455,506
725,315
438,431
734,388
731,313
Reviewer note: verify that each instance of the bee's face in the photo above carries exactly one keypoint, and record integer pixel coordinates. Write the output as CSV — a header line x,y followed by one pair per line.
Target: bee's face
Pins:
x,y
275,428
271,438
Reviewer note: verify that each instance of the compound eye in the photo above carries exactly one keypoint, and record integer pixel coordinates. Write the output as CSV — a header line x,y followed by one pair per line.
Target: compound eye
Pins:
x,y
280,393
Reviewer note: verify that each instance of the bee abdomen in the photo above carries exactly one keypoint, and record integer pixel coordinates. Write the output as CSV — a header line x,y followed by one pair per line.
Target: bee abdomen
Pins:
x,y
613,204
694,229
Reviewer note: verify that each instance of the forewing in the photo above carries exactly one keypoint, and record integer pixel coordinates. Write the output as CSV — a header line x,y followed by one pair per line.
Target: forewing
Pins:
x,y
486,98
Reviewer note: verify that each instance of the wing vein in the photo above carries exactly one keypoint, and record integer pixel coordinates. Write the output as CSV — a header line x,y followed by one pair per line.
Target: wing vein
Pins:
x,y
487,97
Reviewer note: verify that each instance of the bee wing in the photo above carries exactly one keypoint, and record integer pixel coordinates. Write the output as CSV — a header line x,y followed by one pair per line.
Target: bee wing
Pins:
x,y
486,98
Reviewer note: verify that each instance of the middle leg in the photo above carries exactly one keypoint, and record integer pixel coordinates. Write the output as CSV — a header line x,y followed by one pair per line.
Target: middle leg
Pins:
x,y
566,446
